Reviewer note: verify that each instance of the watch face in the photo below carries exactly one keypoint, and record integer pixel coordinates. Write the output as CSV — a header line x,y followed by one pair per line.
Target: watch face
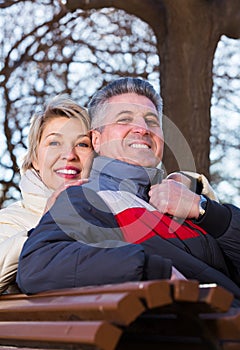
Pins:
x,y
203,202
202,205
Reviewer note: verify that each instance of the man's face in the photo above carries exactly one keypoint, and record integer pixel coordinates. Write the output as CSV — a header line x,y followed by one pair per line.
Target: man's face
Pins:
x,y
132,131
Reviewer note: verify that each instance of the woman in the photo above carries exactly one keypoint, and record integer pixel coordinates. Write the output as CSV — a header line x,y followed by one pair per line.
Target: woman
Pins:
x,y
59,154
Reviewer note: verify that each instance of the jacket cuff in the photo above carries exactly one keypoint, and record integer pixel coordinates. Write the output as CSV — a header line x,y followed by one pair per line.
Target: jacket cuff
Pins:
x,y
157,267
216,219
200,185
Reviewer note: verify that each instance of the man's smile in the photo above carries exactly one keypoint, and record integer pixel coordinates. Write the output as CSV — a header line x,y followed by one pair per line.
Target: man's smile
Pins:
x,y
139,145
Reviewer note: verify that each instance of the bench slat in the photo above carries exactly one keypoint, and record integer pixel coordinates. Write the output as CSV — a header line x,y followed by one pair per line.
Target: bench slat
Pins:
x,y
185,290
119,308
101,335
216,297
154,293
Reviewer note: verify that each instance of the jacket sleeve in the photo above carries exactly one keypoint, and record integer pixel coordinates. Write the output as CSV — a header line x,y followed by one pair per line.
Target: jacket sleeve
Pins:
x,y
9,223
13,234
78,243
190,266
10,250
222,221
200,184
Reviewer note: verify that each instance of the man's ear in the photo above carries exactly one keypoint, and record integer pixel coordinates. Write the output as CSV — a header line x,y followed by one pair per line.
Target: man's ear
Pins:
x,y
96,140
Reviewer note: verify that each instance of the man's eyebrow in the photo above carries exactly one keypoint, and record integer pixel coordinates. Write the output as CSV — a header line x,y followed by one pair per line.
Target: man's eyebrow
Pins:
x,y
151,114
147,114
124,111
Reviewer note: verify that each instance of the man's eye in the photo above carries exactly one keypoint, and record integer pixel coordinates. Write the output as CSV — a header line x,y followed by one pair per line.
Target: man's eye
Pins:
x,y
124,120
152,122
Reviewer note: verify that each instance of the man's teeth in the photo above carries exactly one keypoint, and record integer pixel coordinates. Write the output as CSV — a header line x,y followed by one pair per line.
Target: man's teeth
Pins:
x,y
139,145
67,171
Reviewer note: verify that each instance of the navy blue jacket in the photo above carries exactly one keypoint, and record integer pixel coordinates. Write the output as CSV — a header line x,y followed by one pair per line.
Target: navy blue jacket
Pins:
x,y
82,239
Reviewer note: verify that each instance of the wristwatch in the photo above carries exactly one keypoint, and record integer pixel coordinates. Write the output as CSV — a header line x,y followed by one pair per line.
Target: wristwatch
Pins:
x,y
202,206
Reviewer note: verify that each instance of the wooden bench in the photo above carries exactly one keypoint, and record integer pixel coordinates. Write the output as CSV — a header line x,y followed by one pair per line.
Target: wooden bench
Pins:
x,y
135,315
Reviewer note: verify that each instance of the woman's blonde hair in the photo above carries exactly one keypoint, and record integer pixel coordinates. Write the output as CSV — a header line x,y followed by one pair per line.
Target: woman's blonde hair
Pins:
x,y
60,106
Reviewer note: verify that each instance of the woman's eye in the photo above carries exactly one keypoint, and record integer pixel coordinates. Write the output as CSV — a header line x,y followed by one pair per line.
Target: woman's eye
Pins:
x,y
83,144
54,143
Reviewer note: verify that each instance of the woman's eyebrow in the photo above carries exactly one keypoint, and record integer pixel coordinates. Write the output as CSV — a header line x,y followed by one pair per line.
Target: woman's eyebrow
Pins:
x,y
58,134
80,136
53,134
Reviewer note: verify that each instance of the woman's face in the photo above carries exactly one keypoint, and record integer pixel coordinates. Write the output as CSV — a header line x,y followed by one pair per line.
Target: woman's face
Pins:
x,y
64,153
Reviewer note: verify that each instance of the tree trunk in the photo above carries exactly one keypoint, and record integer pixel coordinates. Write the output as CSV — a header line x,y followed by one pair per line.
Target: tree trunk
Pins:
x,y
186,57
187,34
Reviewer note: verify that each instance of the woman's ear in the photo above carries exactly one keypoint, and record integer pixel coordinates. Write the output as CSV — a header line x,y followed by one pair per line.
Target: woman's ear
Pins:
x,y
35,164
96,140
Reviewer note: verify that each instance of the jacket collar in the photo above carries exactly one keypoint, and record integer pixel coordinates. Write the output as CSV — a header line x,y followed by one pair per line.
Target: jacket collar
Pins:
x,y
126,177
34,192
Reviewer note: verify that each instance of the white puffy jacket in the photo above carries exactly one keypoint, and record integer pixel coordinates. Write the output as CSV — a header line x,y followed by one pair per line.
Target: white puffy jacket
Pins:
x,y
16,220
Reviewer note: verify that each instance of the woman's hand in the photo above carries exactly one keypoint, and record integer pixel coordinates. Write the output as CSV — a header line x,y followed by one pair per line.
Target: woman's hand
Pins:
x,y
51,200
179,177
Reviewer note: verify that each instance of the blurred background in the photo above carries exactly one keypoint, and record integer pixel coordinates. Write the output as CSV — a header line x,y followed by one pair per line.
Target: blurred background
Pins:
x,y
46,50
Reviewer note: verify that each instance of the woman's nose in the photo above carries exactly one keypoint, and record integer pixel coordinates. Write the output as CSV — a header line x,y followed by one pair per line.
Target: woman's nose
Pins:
x,y
69,154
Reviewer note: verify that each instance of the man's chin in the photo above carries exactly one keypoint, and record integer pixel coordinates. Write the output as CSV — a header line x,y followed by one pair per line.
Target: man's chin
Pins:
x,y
144,162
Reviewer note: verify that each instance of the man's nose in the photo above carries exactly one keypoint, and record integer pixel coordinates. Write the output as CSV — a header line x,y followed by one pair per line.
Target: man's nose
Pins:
x,y
140,126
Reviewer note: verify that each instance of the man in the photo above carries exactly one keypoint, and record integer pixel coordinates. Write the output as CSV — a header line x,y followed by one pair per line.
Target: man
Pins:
x,y
83,239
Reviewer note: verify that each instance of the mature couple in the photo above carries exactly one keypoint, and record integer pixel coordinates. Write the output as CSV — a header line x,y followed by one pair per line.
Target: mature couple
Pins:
x,y
123,223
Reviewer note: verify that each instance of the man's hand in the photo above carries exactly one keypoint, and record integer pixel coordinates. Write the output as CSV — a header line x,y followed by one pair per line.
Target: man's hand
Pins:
x,y
174,198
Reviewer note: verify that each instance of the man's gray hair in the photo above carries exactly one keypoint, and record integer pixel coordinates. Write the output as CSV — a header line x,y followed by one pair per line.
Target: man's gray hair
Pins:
x,y
118,87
